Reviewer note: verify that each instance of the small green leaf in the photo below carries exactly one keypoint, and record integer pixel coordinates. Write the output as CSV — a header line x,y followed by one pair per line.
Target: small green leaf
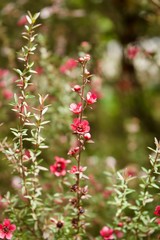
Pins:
x,y
44,110
29,19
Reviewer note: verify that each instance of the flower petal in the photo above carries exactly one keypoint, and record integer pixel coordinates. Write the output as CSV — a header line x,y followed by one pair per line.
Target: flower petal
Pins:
x,y
6,222
2,235
12,227
8,235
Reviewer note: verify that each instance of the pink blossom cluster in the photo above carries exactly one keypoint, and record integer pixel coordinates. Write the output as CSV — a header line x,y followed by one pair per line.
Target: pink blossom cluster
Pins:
x,y
79,125
107,233
81,129
68,66
59,167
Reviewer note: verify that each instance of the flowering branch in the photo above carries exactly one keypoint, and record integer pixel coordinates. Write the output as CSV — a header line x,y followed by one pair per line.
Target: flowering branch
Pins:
x,y
81,129
21,106
25,161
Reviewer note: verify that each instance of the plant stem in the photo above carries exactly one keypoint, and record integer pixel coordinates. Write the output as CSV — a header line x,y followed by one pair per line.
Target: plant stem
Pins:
x,y
81,145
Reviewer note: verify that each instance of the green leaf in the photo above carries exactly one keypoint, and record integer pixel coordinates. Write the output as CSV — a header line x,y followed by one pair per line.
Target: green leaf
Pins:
x,y
120,176
155,185
42,168
36,15
45,122
44,110
29,19
18,71
27,28
43,146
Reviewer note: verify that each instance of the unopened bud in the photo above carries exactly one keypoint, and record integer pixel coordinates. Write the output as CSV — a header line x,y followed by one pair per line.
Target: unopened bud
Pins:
x,y
76,88
81,59
87,72
87,136
81,210
59,224
87,57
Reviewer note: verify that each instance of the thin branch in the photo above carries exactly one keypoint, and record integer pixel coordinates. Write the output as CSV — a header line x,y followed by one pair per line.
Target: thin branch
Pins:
x,y
156,3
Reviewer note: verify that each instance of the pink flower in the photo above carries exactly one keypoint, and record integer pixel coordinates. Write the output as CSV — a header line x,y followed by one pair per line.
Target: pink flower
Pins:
x,y
59,168
157,210
73,151
74,169
157,221
6,229
27,155
107,193
131,171
76,108
2,84
85,46
106,233
39,70
91,98
7,94
3,72
69,65
118,233
80,126
22,21
132,51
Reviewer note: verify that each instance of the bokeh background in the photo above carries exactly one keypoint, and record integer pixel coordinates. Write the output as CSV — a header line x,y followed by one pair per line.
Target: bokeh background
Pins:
x,y
123,40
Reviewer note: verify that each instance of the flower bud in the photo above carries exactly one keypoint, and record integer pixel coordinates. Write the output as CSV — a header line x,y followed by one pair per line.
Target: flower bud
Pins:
x,y
76,88
59,224
87,57
120,224
81,210
87,136
81,60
